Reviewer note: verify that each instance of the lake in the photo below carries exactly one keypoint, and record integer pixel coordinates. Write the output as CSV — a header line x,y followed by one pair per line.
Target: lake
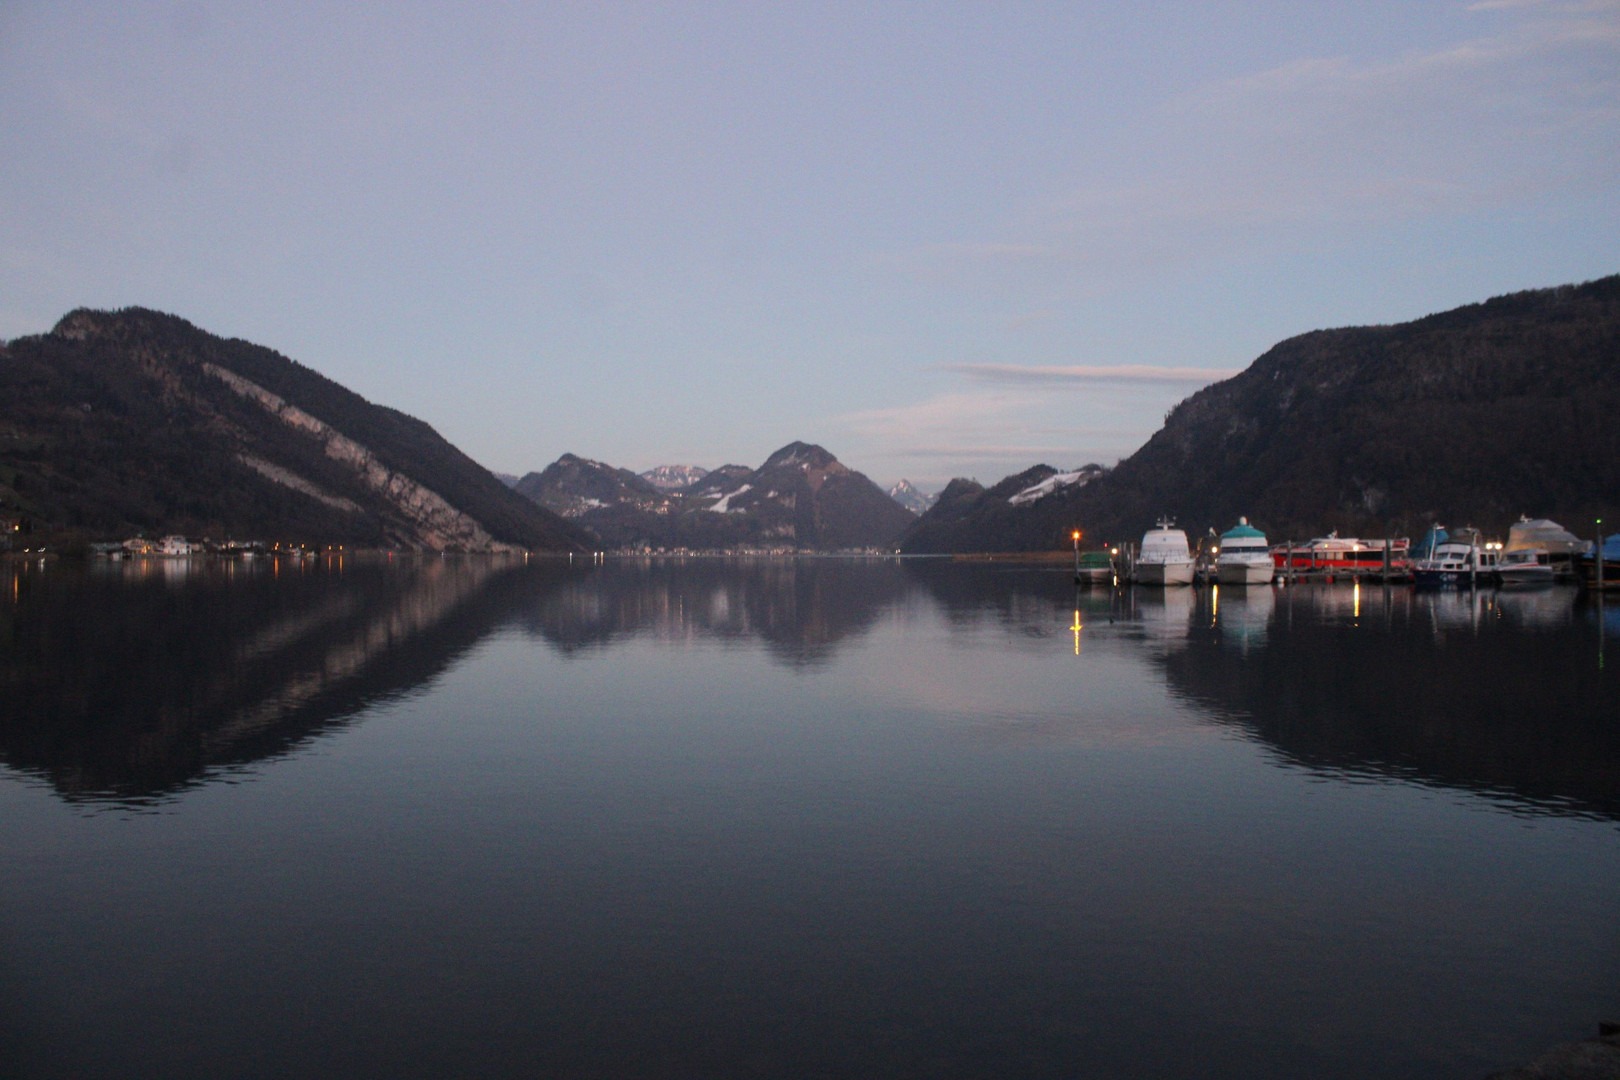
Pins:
x,y
424,817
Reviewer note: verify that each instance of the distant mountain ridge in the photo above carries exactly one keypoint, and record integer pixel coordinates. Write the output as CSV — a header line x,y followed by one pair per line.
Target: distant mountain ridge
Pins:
x,y
1470,416
801,498
118,422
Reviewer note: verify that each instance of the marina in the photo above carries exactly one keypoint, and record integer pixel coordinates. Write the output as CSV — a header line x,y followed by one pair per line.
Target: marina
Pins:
x,y
1537,552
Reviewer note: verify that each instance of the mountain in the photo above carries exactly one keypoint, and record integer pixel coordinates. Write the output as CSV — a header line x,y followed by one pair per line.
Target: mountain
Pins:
x,y
806,497
572,485
970,517
674,477
131,421
509,479
1470,416
802,497
907,495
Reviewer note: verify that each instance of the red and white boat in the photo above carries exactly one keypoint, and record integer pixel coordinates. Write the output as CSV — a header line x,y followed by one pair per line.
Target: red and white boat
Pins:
x,y
1338,554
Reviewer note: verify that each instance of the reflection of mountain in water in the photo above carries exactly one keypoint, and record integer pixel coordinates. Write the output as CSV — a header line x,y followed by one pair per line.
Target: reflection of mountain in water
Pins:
x,y
800,608
129,681
1034,601
1501,694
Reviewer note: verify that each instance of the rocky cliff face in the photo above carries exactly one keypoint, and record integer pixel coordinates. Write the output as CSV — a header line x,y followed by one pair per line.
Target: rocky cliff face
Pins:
x,y
133,421
1470,416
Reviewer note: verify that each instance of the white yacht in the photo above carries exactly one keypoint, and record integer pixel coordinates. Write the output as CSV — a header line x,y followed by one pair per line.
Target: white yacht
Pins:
x,y
1165,558
1244,558
1525,566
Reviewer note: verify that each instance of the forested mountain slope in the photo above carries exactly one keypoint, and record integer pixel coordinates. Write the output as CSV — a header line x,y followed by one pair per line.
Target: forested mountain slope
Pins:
x,y
133,421
1471,416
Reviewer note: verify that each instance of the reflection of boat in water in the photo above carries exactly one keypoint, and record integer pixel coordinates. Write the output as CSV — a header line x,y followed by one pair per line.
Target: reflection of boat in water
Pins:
x,y
1165,558
1537,609
1163,616
1244,558
1453,609
1243,615
1525,567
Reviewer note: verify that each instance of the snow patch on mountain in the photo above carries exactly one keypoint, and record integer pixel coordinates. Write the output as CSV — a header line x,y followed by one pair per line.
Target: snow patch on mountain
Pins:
x,y
674,477
724,505
1078,478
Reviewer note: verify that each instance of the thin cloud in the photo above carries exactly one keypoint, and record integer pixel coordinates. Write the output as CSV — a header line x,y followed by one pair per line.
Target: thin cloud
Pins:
x,y
1325,143
1022,374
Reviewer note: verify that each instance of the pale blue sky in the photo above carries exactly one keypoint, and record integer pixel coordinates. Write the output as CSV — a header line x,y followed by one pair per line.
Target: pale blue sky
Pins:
x,y
694,232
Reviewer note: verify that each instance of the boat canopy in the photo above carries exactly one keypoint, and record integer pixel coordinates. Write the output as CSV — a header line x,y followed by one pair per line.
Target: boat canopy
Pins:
x,y
1431,540
1542,533
1243,531
1163,541
1611,548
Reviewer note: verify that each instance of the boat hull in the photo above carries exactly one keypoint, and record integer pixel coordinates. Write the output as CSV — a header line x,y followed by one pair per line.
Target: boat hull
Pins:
x,y
1094,575
1244,573
1539,574
1161,574
1448,579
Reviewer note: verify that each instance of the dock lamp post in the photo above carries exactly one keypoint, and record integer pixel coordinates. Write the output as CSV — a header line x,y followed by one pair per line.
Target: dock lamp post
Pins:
x,y
1076,535
1600,556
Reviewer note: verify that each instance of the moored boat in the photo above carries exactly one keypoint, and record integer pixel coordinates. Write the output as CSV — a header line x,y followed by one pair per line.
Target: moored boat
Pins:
x,y
1459,559
1564,549
1165,558
1335,554
1587,564
1094,568
1525,566
1244,557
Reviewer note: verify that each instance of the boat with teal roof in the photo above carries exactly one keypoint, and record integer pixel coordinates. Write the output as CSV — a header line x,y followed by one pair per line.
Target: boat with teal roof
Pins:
x,y
1244,557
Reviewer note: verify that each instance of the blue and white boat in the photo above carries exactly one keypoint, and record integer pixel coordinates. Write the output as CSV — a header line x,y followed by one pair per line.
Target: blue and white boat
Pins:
x,y
1452,560
1244,557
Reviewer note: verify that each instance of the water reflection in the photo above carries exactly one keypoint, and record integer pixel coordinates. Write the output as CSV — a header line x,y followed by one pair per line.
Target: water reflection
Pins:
x,y
1498,694
127,681
1243,614
802,610
806,817
123,681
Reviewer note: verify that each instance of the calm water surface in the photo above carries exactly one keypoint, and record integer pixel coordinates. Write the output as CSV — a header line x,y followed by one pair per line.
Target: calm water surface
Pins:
x,y
774,818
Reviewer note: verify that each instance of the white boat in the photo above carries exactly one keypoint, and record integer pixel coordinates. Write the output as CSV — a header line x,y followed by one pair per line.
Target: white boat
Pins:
x,y
1525,566
1564,549
1459,559
1244,558
1544,535
1165,558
